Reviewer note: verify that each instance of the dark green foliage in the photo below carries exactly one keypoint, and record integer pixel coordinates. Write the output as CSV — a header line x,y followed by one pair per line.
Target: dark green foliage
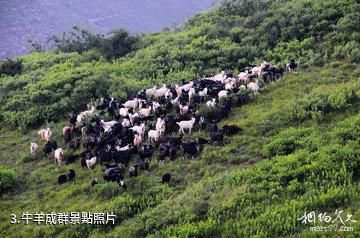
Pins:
x,y
118,44
7,178
11,67
288,141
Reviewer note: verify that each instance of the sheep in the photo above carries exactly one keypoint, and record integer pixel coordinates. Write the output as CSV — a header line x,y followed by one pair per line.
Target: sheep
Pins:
x,y
124,112
183,109
108,123
153,135
145,112
203,93
132,117
155,105
186,125
222,94
59,156
124,148
45,134
244,76
137,140
33,149
126,122
253,86
185,87
139,129
90,163
132,103
150,92
191,93
168,94
211,103
220,77
161,92
82,115
160,125
175,101
229,86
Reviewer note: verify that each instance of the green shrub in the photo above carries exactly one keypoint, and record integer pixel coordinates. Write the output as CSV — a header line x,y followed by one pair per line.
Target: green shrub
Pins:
x,y
11,67
287,141
7,178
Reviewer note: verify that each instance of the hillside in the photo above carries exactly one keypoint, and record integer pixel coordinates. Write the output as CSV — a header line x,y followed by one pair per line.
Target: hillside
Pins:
x,y
298,151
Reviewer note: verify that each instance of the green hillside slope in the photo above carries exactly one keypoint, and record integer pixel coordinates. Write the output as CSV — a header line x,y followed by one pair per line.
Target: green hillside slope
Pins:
x,y
290,158
298,152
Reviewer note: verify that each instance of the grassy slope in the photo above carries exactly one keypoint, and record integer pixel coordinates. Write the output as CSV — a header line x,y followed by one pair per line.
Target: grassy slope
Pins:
x,y
207,196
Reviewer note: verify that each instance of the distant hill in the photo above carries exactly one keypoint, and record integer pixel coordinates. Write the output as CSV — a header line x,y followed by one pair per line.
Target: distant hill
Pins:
x,y
40,19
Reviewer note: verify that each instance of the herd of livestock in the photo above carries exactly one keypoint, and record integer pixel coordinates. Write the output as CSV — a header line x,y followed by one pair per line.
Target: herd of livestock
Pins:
x,y
153,121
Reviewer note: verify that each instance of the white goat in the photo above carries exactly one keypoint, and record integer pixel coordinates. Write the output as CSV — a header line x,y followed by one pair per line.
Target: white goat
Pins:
x,y
211,103
186,125
153,135
253,86
145,112
59,156
222,94
132,103
90,163
203,93
33,149
160,125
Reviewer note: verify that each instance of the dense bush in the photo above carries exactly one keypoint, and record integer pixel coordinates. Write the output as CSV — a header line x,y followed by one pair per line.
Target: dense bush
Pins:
x,y
287,141
11,67
7,178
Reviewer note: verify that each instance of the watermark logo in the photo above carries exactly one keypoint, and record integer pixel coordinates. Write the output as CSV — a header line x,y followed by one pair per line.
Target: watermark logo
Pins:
x,y
323,222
